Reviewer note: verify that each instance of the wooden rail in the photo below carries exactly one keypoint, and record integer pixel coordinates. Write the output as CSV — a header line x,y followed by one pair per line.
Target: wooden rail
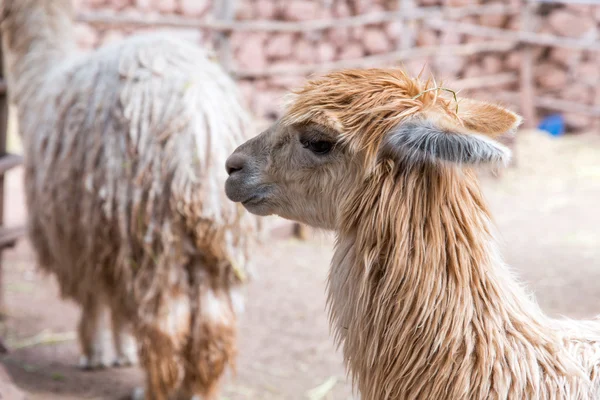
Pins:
x,y
514,36
553,103
573,2
297,27
504,78
379,59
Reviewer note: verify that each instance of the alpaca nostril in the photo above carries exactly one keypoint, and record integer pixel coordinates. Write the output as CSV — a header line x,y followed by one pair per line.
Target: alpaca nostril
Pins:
x,y
235,163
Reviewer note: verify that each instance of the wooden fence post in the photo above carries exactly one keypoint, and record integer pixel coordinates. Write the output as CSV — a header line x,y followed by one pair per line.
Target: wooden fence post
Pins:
x,y
527,77
526,80
407,41
225,12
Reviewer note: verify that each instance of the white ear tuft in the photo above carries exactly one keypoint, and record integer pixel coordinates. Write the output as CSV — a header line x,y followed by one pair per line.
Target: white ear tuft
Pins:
x,y
421,140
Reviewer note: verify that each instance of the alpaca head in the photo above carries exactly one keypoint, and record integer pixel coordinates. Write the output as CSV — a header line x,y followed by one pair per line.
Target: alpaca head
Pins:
x,y
341,128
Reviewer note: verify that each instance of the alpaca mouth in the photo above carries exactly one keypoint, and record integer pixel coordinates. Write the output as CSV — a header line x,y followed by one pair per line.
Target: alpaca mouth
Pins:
x,y
253,200
258,205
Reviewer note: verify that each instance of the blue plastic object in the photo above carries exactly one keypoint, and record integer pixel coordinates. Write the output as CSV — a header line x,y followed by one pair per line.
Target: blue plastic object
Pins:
x,y
553,124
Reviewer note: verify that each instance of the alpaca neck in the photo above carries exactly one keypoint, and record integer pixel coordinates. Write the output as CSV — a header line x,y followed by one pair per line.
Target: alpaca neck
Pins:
x,y
37,35
419,299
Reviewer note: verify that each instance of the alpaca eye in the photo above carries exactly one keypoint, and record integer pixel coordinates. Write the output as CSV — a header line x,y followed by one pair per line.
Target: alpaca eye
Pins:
x,y
318,147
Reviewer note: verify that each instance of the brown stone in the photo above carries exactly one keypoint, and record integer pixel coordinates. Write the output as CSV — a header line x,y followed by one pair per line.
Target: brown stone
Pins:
x,y
550,76
244,10
513,24
394,29
132,12
491,64
251,54
165,6
475,39
448,67
301,10
351,51
577,122
361,6
375,41
326,51
280,45
581,9
267,103
142,5
589,73
596,13
372,7
566,57
237,40
538,54
121,4
247,90
194,8
357,33
304,51
449,38
339,36
427,37
262,84
495,21
473,71
459,3
416,67
325,13
513,60
577,92
567,23
341,9
95,3
265,9
287,82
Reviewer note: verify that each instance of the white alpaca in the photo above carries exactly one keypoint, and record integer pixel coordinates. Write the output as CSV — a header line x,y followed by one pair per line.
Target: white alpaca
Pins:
x,y
124,149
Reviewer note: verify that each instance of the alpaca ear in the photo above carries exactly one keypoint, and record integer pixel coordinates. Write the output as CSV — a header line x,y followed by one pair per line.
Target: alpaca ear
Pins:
x,y
431,137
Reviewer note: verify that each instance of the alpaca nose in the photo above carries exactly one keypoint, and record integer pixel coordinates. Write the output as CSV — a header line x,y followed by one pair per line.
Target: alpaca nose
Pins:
x,y
235,163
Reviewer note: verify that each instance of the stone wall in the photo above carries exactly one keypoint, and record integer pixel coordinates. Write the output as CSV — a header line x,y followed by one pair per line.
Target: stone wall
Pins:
x,y
566,74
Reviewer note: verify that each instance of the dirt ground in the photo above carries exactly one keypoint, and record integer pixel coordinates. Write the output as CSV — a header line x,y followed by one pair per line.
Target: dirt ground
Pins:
x,y
547,212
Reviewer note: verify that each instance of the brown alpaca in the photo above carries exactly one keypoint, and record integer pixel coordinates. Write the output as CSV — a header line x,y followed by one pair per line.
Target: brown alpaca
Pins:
x,y
124,150
419,297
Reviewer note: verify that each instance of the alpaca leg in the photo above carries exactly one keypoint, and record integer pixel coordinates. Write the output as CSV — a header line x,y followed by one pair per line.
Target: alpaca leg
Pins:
x,y
161,347
162,365
126,351
211,347
94,335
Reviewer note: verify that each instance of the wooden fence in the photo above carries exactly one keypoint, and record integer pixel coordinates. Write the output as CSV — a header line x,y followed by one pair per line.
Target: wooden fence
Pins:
x,y
439,18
